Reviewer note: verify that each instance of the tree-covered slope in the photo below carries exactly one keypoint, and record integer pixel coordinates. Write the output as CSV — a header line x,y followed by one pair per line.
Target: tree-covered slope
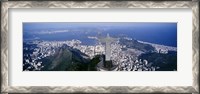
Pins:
x,y
165,62
69,59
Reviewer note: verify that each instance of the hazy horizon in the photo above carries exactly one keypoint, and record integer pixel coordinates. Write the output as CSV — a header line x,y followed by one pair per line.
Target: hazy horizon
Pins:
x,y
164,33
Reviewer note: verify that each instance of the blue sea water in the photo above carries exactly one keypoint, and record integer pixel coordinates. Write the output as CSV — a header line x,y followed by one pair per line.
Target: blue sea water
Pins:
x,y
159,33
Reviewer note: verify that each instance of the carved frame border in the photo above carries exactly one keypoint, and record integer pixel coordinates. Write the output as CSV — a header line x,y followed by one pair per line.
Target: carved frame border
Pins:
x,y
5,88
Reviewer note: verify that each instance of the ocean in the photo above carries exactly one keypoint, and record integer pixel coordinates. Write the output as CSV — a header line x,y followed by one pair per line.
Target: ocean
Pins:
x,y
158,33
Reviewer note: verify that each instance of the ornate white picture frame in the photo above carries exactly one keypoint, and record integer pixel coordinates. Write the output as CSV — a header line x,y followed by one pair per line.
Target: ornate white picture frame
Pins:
x,y
6,5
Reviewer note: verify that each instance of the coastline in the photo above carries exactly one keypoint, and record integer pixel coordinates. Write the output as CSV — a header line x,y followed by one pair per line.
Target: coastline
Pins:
x,y
159,47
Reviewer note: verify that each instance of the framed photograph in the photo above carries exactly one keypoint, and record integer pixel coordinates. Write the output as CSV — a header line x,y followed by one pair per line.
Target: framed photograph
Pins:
x,y
100,47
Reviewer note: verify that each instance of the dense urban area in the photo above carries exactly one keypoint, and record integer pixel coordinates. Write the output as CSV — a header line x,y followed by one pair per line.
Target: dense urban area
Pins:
x,y
126,54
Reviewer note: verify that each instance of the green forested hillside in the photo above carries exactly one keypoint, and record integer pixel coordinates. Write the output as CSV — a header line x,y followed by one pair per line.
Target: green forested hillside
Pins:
x,y
68,59
165,62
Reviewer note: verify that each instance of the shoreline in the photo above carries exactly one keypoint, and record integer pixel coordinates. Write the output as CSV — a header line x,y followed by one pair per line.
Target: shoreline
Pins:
x,y
159,47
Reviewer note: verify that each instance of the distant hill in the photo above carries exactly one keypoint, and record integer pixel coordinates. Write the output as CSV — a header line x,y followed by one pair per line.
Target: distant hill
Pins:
x,y
134,44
